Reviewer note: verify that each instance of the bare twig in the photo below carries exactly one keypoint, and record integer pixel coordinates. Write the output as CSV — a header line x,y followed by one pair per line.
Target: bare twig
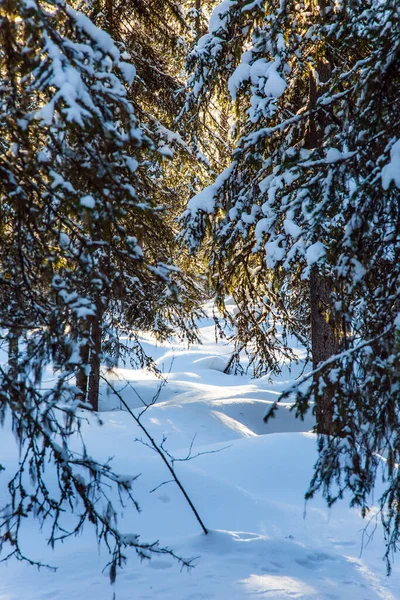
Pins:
x,y
161,453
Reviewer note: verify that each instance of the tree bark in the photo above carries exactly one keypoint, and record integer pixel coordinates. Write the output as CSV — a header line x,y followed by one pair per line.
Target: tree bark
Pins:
x,y
81,376
14,336
13,350
324,334
95,358
110,16
324,341
197,23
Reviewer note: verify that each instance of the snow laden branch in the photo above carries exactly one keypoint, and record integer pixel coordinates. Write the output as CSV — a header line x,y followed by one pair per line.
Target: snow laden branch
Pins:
x,y
86,257
62,485
302,228
364,439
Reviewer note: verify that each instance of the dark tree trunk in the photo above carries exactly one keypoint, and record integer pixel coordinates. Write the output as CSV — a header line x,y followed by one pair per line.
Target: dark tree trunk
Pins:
x,y
81,376
110,16
197,23
13,350
95,358
324,334
324,341
14,336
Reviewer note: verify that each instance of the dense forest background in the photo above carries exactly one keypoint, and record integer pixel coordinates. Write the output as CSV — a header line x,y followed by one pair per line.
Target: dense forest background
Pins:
x,y
157,154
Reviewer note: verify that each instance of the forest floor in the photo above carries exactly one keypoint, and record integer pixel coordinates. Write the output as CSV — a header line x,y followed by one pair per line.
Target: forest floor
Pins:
x,y
248,485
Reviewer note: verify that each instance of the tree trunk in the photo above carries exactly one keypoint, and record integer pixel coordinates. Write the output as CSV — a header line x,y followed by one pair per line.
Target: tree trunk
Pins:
x,y
14,335
95,358
324,341
324,334
110,16
197,24
13,350
81,376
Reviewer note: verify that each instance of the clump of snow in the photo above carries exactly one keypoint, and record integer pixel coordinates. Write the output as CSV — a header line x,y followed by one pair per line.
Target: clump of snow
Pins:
x,y
291,228
275,252
358,270
166,151
275,85
101,37
333,155
259,68
64,240
261,73
205,200
128,70
314,253
238,77
219,14
391,171
87,202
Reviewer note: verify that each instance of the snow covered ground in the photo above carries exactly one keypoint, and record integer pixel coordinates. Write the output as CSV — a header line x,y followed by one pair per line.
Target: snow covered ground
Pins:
x,y
248,485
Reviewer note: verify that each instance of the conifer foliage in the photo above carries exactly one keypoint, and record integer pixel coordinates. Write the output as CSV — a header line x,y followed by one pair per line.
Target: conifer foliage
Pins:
x,y
304,225
85,256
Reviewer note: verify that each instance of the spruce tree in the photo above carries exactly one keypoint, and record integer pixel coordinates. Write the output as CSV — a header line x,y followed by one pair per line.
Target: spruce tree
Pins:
x,y
85,256
304,224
